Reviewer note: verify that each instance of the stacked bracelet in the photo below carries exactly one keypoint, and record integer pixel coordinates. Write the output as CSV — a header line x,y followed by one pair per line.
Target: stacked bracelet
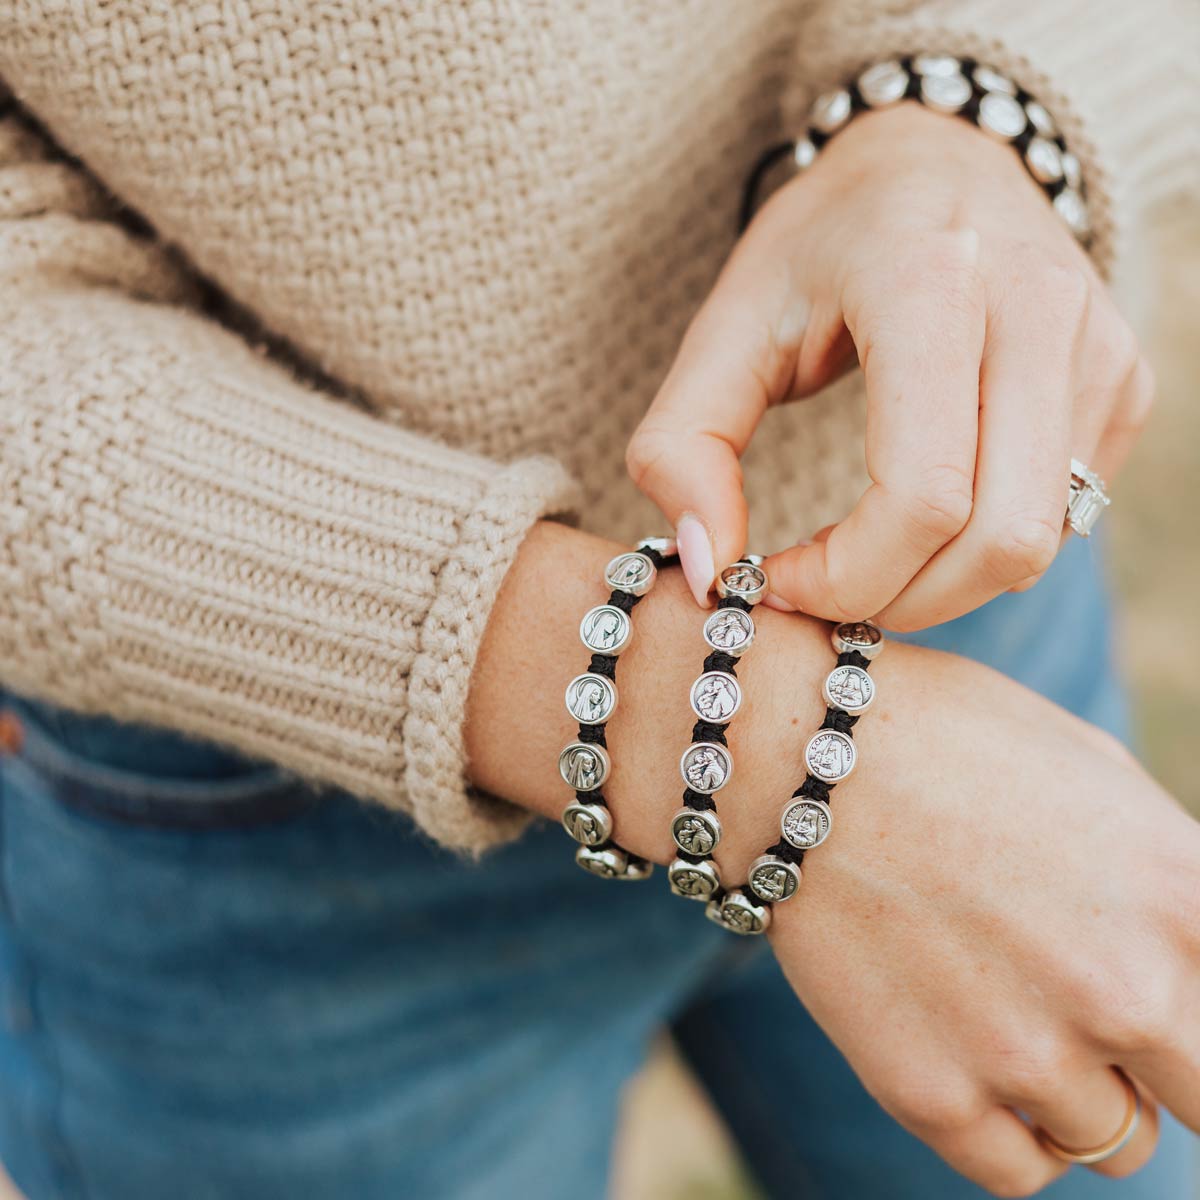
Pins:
x,y
958,86
707,764
584,764
829,757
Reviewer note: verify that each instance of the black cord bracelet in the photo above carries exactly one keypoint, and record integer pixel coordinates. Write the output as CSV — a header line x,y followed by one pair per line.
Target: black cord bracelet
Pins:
x,y
957,86
716,697
591,698
829,757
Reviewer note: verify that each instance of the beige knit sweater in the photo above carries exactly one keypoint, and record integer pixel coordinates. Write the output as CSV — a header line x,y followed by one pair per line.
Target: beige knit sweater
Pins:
x,y
482,227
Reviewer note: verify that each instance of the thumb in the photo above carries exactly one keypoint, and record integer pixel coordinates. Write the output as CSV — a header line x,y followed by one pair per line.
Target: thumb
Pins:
x,y
685,454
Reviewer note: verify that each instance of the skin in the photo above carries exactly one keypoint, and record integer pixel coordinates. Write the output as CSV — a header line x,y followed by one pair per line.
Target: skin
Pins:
x,y
919,248
1010,899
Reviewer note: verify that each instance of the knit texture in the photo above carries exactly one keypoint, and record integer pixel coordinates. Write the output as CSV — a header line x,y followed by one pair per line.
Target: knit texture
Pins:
x,y
454,247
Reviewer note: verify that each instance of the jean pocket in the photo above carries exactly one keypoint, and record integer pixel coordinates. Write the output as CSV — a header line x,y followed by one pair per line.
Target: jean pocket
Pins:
x,y
136,783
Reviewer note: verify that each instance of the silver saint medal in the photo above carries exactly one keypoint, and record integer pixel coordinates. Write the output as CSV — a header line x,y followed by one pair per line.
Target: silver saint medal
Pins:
x,y
774,879
694,881
605,629
806,823
588,824
830,755
861,636
706,767
849,688
591,699
730,630
584,766
696,832
716,697
631,572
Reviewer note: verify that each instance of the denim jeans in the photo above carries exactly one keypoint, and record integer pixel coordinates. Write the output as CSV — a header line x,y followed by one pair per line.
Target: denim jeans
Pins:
x,y
215,983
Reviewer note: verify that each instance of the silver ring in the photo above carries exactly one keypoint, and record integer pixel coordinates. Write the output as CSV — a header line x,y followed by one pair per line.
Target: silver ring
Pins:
x,y
1086,499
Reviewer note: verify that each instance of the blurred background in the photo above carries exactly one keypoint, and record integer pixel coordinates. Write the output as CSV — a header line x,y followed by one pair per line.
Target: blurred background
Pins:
x,y
674,1145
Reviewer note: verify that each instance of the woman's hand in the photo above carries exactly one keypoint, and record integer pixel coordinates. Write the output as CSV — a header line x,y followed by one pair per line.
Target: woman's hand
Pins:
x,y
1007,907
992,354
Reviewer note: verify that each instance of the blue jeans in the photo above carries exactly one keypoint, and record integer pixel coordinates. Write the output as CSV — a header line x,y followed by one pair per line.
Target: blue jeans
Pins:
x,y
214,984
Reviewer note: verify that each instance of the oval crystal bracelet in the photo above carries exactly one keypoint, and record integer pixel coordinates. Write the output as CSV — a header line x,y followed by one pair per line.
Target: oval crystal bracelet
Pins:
x,y
716,697
584,764
829,757
956,86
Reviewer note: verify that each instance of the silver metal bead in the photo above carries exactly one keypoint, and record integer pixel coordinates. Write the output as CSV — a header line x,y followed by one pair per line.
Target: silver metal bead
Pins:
x,y
849,688
830,111
743,579
591,699
666,546
737,913
806,823
610,862
773,878
588,824
945,93
1044,160
804,153
1073,209
883,84
1072,170
636,869
605,629
729,630
1001,116
830,755
706,767
584,766
938,65
861,636
631,572
1040,118
695,831
991,80
716,697
694,881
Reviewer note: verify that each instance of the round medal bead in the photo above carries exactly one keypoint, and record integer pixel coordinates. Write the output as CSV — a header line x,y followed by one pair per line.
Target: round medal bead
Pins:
x,y
730,630
860,636
588,824
666,546
745,580
945,93
991,80
883,84
1041,120
1001,116
584,766
830,755
849,688
1072,170
773,879
937,65
706,767
694,881
591,699
806,823
631,572
738,913
716,697
804,153
609,862
830,111
1072,207
606,629
695,831
636,869
1044,160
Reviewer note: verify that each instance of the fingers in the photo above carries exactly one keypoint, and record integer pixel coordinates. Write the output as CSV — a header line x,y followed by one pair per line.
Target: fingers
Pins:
x,y
738,357
1026,439
999,1152
1085,1110
919,328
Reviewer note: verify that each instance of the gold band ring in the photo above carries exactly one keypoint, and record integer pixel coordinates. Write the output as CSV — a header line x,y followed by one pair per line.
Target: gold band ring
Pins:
x,y
1117,1142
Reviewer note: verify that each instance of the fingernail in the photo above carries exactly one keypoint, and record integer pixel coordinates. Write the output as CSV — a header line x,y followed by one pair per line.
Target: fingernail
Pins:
x,y
695,556
771,600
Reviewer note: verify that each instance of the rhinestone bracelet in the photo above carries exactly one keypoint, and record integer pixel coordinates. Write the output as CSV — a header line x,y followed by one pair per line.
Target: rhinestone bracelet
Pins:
x,y
957,86
829,757
716,696
584,764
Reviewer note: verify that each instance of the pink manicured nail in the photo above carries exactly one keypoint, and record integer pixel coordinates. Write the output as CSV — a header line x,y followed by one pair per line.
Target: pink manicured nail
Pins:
x,y
695,556
778,603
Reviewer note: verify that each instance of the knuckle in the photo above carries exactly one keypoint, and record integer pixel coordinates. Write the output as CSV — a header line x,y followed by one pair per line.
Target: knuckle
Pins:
x,y
1128,1009
1064,289
1026,546
941,506
932,1105
646,456
1034,1069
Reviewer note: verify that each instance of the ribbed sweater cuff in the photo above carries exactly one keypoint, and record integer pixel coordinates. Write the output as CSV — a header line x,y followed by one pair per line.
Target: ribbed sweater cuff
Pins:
x,y
1099,68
